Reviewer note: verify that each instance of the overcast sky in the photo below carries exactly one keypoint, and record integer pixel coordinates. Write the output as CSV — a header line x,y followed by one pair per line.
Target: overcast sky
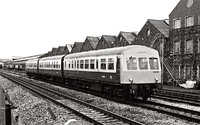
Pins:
x,y
31,27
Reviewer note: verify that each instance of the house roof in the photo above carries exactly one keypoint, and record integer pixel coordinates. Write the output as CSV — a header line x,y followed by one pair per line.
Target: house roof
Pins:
x,y
109,39
60,50
93,41
161,25
77,47
129,36
69,47
54,50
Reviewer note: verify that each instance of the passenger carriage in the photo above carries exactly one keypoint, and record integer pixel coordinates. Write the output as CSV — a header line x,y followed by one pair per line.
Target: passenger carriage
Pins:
x,y
51,67
124,70
32,67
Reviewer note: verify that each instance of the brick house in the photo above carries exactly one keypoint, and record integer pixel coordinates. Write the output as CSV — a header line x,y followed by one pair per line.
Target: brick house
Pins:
x,y
105,41
124,39
184,33
90,43
152,35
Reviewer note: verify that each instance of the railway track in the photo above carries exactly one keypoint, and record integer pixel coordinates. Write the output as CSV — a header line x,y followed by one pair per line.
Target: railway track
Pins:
x,y
181,97
87,111
182,113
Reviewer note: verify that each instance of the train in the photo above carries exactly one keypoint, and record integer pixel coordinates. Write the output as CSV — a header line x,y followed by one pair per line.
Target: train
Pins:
x,y
131,71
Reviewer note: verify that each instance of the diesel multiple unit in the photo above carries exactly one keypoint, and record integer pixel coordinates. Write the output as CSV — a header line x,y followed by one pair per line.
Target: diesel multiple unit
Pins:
x,y
130,71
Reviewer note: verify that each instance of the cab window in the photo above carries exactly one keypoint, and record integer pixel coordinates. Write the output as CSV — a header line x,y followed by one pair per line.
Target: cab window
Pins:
x,y
131,63
143,63
153,63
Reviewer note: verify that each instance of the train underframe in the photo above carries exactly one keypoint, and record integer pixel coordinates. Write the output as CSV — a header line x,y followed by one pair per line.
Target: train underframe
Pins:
x,y
126,91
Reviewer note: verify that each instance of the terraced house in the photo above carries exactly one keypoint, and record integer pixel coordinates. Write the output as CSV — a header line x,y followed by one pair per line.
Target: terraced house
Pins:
x,y
184,34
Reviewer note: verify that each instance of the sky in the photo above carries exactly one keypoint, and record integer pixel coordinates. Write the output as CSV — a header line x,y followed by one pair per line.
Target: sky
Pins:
x,y
32,27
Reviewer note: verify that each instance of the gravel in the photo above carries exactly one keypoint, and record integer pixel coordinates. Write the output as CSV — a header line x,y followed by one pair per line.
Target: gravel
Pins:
x,y
136,113
33,110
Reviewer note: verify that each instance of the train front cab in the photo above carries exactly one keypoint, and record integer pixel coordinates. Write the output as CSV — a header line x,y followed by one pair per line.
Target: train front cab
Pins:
x,y
142,71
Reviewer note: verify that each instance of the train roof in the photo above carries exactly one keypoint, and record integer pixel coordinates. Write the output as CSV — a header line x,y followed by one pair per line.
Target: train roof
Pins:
x,y
113,51
52,57
32,60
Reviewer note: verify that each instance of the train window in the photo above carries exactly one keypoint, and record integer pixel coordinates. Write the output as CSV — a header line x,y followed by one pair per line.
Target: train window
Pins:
x,y
110,64
81,64
103,64
77,64
97,64
131,63
65,64
87,64
143,63
72,64
69,64
153,63
91,63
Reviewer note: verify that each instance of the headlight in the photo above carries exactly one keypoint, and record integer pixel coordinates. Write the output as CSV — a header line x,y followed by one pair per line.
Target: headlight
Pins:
x,y
156,80
131,80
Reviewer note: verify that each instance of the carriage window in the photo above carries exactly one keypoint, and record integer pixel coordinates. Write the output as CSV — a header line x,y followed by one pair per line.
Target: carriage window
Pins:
x,y
91,63
143,63
65,64
72,64
77,64
81,64
153,63
97,64
69,64
87,64
131,63
110,64
103,63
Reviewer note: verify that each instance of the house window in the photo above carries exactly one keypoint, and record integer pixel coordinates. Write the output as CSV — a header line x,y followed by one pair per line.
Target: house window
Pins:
x,y
177,23
199,19
148,32
176,69
120,38
198,46
103,64
189,21
189,46
110,64
177,47
198,72
188,72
